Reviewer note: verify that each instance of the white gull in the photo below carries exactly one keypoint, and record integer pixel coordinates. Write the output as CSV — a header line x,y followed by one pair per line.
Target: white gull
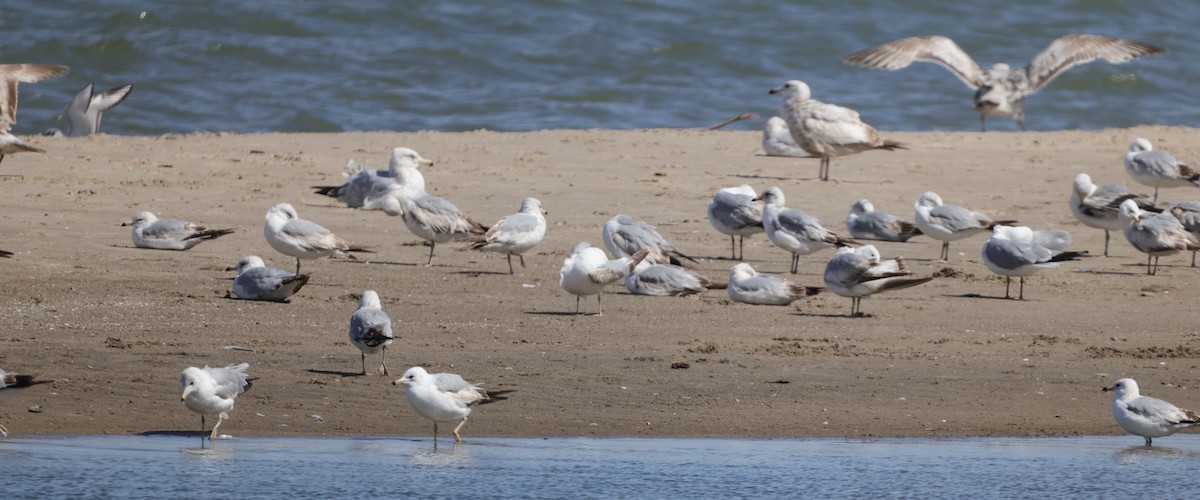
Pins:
x,y
733,211
212,391
1096,206
1146,416
1020,251
169,234
371,330
517,233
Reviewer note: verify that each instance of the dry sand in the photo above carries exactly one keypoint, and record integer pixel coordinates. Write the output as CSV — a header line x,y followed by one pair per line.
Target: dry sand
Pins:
x,y
111,326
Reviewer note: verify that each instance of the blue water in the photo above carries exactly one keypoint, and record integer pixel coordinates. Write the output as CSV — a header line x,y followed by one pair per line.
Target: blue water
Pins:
x,y
292,65
175,467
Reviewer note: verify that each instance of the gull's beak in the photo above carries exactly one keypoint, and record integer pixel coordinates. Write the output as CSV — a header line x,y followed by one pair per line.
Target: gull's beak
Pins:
x,y
756,198
187,392
775,90
126,223
426,162
1105,389
398,381
231,268
545,212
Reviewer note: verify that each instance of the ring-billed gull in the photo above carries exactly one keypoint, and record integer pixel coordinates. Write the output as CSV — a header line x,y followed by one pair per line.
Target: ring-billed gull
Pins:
x,y
733,211
777,139
86,108
625,236
1157,169
665,280
371,330
212,391
588,270
517,233
1096,206
256,281
751,287
441,397
948,223
364,183
8,382
861,272
1146,416
865,223
1188,213
433,218
169,234
1154,234
1001,90
794,230
290,235
826,130
1020,251
10,76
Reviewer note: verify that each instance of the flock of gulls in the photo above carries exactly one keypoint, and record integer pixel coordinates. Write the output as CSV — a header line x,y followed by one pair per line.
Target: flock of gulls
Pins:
x,y
647,264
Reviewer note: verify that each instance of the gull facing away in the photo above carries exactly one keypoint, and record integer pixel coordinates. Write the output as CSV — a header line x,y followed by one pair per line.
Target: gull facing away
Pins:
x,y
517,233
777,139
751,287
363,184
625,236
430,217
1020,251
85,109
1154,234
8,383
1001,90
371,330
865,223
588,270
1157,169
948,223
733,211
290,235
665,280
1188,213
795,231
1146,416
441,397
826,130
1096,206
169,234
861,272
10,76
256,281
212,391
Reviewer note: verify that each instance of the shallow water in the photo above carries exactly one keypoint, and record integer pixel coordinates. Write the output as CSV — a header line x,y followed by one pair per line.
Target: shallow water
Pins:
x,y
174,466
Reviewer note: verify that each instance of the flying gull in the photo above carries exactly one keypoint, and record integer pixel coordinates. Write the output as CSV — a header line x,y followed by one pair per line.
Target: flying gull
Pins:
x,y
10,76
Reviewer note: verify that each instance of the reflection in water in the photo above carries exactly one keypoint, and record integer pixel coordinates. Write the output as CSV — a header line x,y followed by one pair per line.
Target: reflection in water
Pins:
x,y
1135,454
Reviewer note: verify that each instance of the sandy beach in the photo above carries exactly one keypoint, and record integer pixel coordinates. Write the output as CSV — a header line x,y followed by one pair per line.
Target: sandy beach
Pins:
x,y
109,327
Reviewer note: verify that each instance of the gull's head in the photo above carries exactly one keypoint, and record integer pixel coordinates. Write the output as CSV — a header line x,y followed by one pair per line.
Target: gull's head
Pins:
x,y
792,88
771,196
405,157
928,199
249,262
741,271
411,377
141,219
1013,233
1000,69
282,211
861,207
868,252
579,247
1083,184
1129,212
776,126
1140,145
191,381
532,206
1125,387
369,299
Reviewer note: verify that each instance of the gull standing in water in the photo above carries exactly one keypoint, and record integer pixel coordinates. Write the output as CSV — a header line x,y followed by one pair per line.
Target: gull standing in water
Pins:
x,y
1020,251
8,382
290,235
665,280
85,109
733,211
363,184
588,270
777,139
1146,416
371,330
517,233
1157,169
1188,213
950,222
1096,206
1001,90
795,231
10,76
212,391
860,272
441,397
430,217
865,223
625,236
826,130
751,287
256,281
1154,234
169,234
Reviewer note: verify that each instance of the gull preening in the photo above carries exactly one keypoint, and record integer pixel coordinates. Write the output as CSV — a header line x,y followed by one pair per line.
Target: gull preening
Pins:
x,y
364,184
795,231
290,235
1020,251
625,236
826,130
865,223
8,382
860,272
1188,213
86,108
371,330
170,234
10,76
751,287
777,139
517,233
441,397
733,211
1154,234
212,391
256,281
1096,206
1157,169
433,218
1001,90
1146,416
948,223
665,280
588,270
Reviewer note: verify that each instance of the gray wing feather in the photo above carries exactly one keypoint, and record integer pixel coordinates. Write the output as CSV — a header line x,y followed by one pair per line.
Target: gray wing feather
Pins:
x,y
1012,255
369,324
170,229
300,228
795,221
957,218
450,382
230,380
737,210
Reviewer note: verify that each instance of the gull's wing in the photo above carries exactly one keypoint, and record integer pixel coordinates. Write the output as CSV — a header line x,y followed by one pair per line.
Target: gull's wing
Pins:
x,y
956,218
736,209
935,49
511,225
1068,51
799,223
1008,254
311,235
10,76
171,229
1160,411
441,216
99,103
230,380
1107,199
371,326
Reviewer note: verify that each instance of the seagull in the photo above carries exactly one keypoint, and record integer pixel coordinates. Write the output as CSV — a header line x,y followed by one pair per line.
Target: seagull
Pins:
x,y
371,330
85,109
10,76
441,397
212,391
364,183
826,130
589,269
777,139
860,272
625,236
1096,206
950,222
865,223
256,281
665,280
733,211
290,235
795,231
1154,234
433,218
751,287
169,234
1020,251
1188,213
517,233
1157,169
8,381
1000,90
1146,416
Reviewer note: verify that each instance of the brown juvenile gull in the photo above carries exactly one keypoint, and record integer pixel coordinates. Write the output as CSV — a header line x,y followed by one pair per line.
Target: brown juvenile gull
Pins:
x,y
1154,234
1001,90
10,76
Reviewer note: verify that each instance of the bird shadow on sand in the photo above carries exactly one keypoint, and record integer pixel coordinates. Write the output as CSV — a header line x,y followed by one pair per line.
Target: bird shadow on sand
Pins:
x,y
981,296
831,315
336,372
476,274
766,177
365,262
560,313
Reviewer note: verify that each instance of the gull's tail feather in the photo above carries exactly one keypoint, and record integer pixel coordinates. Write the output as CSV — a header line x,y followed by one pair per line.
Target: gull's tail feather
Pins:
x,y
890,145
1065,256
15,380
1001,223
358,248
494,396
330,191
807,291
897,283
